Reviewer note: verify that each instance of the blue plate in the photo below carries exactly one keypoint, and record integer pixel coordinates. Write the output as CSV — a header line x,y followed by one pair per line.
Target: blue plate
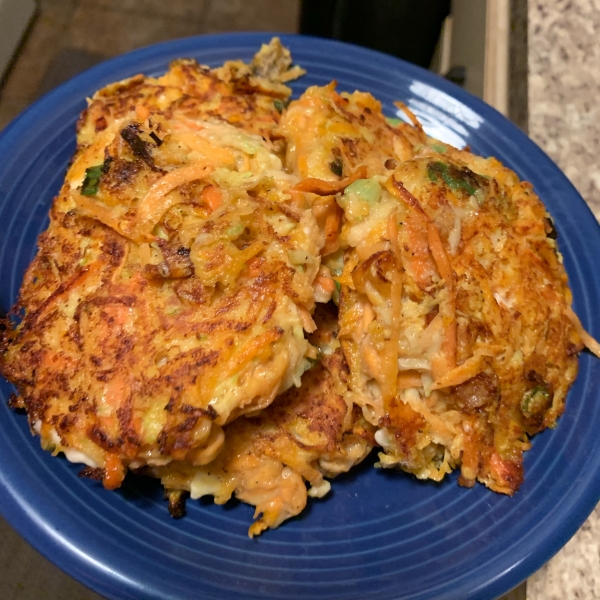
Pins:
x,y
378,535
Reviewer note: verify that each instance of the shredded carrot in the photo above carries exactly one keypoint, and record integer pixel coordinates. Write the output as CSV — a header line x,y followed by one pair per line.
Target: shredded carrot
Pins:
x,y
445,270
114,471
409,113
254,266
449,341
187,122
157,201
349,265
390,382
409,379
442,262
307,321
212,197
440,256
590,343
67,287
326,283
255,345
95,210
142,112
419,263
397,189
332,230
392,234
329,218
215,155
329,188
117,389
390,385
467,370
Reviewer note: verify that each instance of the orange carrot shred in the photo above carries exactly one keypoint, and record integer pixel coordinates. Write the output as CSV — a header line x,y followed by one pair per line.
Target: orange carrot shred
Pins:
x,y
114,471
254,265
212,197
326,283
328,188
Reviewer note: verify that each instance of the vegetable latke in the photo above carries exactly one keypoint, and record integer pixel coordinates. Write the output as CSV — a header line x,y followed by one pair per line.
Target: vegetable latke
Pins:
x,y
242,296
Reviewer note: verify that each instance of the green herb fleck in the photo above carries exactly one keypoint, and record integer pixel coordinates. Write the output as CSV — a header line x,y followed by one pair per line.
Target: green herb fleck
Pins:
x,y
439,148
235,230
453,177
535,400
312,361
393,121
281,104
336,167
92,180
336,293
367,190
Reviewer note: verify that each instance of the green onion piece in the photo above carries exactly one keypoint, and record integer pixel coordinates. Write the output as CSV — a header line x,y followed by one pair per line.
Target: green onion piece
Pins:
x,y
393,121
92,180
368,190
535,400
439,148
235,230
336,293
281,104
311,362
454,178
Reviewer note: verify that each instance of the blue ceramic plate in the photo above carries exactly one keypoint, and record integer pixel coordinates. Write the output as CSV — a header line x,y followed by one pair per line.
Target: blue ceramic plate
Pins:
x,y
378,535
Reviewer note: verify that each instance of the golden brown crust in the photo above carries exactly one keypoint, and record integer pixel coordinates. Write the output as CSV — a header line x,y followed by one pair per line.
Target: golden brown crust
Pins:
x,y
307,433
454,305
169,292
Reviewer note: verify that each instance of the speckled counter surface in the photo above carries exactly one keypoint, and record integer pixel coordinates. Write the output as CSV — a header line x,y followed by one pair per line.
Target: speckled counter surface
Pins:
x,y
564,84
564,119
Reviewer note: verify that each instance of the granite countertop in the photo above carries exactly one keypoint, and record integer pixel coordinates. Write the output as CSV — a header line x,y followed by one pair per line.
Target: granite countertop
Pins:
x,y
564,119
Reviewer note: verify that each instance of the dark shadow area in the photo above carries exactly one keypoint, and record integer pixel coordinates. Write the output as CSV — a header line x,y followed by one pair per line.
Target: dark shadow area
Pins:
x,y
67,63
402,28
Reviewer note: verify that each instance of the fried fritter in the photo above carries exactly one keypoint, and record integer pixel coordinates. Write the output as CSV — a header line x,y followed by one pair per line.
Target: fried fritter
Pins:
x,y
306,434
247,96
480,349
330,135
170,291
161,326
455,313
